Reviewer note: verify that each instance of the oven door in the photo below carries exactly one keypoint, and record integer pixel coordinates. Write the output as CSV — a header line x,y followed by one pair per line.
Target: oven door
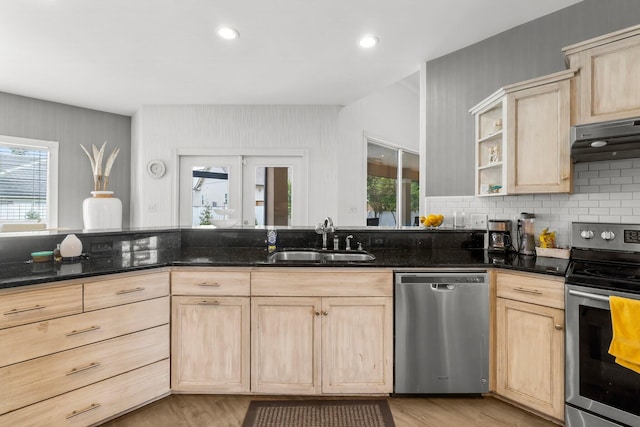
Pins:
x,y
594,382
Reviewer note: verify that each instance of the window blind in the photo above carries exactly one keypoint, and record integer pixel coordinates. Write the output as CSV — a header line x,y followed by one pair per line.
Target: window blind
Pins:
x,y
23,183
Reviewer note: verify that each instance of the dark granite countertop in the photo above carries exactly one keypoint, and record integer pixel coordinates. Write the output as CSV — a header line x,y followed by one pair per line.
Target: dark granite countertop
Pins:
x,y
25,273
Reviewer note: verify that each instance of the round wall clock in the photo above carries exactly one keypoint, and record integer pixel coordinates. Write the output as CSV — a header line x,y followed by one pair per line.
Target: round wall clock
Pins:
x,y
156,168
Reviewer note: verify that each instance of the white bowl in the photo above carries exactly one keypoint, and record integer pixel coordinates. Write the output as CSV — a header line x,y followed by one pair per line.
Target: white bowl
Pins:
x,y
224,211
224,222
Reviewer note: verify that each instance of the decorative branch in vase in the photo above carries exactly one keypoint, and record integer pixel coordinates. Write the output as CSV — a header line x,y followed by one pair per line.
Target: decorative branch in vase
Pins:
x,y
100,177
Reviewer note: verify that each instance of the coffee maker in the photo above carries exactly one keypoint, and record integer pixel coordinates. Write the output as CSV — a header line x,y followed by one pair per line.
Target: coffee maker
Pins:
x,y
500,236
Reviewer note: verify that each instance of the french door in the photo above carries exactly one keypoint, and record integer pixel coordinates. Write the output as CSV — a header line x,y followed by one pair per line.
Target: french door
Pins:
x,y
249,190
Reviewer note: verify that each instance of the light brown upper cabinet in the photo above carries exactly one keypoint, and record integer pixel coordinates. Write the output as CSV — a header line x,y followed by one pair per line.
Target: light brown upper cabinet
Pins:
x,y
522,137
607,84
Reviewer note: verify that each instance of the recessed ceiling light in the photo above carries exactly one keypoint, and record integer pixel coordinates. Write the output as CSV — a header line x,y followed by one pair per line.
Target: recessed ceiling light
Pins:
x,y
228,33
369,41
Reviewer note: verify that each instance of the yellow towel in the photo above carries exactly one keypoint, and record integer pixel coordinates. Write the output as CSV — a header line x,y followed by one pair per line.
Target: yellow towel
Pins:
x,y
625,320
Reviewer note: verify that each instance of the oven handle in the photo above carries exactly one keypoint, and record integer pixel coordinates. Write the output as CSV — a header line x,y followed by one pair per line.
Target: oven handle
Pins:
x,y
588,295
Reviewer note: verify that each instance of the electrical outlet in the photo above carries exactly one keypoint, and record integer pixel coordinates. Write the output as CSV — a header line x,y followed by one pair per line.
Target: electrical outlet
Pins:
x,y
479,221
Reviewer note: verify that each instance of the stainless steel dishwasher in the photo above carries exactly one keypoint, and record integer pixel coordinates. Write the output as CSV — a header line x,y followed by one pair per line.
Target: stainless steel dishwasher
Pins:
x,y
441,332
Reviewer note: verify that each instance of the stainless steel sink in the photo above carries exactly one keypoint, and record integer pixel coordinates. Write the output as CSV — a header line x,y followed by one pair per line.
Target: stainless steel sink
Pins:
x,y
347,257
314,256
296,256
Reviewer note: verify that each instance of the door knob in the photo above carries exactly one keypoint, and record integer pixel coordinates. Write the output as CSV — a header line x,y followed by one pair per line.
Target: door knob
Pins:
x,y
558,327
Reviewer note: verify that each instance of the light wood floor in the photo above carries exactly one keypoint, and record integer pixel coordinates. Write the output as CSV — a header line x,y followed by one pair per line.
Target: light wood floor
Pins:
x,y
228,411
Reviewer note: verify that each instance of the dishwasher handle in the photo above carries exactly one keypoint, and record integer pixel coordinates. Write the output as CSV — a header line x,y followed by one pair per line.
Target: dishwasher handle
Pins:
x,y
443,286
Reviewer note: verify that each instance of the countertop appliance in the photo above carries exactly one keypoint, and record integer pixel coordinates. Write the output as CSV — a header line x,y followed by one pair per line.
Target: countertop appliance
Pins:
x,y
500,235
441,332
605,261
611,140
527,234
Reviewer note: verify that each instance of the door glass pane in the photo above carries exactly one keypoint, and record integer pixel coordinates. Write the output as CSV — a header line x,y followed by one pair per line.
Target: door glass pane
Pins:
x,y
382,173
410,188
210,194
273,196
601,378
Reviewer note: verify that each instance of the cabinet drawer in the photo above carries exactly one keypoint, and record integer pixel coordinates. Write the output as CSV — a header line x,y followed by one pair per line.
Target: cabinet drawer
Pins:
x,y
109,293
91,404
39,379
25,307
47,337
532,289
295,282
232,283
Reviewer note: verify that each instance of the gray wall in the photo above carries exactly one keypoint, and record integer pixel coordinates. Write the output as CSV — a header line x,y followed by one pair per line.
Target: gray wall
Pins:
x,y
71,126
458,81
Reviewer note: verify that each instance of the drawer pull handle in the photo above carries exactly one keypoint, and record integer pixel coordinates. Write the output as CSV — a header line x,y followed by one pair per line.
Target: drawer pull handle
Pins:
x,y
528,291
558,326
128,291
83,368
82,411
210,285
22,310
205,302
82,331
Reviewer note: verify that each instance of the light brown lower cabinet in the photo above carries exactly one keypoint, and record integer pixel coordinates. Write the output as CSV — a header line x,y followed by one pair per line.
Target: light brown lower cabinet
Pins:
x,y
530,342
328,345
82,352
210,344
94,403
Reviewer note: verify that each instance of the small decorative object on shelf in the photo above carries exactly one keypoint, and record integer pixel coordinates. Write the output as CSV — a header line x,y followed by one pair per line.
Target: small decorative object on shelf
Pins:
x,y
494,154
497,126
102,210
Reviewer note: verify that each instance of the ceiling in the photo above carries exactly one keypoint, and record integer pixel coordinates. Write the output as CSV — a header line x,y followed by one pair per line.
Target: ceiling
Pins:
x,y
116,55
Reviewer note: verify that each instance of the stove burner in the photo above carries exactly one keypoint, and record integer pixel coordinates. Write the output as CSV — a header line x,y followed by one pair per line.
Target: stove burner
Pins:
x,y
609,273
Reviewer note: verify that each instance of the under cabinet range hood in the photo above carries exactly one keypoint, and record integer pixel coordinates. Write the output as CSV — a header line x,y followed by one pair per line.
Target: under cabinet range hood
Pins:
x,y
617,139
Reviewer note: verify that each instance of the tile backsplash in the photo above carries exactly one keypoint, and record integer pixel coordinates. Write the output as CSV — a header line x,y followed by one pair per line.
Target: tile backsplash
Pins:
x,y
606,191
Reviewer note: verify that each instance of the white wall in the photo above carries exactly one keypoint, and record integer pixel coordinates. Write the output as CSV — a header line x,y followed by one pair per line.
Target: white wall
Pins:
x,y
390,114
158,131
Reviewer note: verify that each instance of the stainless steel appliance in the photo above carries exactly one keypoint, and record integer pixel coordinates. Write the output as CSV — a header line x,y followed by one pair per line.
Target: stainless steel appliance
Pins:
x,y
500,235
441,332
604,261
527,234
611,140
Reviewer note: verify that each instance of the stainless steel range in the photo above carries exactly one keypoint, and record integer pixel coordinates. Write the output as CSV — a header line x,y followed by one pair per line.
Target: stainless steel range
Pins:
x,y
605,261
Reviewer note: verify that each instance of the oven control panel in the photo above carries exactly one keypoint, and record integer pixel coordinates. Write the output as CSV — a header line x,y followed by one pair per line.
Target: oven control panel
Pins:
x,y
620,237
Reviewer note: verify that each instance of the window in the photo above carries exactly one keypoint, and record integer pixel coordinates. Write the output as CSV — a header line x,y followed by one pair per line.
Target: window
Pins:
x,y
28,183
392,185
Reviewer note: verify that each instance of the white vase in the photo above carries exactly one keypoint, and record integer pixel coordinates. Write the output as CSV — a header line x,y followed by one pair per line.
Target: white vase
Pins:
x,y
71,247
102,211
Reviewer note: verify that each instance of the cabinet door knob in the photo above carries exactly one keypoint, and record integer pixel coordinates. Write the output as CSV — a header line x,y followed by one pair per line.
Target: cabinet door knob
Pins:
x,y
565,177
317,313
558,326
325,313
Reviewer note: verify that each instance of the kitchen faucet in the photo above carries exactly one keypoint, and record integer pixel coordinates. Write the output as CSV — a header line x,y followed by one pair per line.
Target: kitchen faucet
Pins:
x,y
324,228
348,242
